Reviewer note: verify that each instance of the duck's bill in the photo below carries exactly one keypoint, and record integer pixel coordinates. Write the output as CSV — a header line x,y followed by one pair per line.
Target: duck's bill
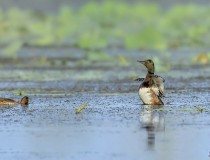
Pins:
x,y
141,61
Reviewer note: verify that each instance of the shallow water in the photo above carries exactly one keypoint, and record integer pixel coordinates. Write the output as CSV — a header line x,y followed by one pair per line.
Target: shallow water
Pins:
x,y
114,124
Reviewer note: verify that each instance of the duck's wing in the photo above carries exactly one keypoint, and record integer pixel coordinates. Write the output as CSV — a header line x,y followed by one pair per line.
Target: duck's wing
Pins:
x,y
156,98
139,79
159,83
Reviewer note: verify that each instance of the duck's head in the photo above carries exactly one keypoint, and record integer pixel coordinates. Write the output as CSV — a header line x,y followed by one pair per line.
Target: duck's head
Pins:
x,y
149,64
24,100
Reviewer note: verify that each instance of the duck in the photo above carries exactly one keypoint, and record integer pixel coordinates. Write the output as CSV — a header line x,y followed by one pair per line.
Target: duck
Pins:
x,y
151,89
7,101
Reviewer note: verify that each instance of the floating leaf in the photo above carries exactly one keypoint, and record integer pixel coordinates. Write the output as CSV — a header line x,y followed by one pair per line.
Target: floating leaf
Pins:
x,y
202,58
78,110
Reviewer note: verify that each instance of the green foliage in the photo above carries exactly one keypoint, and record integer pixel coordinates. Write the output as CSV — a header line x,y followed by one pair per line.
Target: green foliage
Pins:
x,y
98,57
92,40
12,49
101,25
147,38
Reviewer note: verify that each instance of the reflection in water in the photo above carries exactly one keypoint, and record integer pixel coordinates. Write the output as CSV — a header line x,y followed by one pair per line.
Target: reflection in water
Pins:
x,y
24,107
152,120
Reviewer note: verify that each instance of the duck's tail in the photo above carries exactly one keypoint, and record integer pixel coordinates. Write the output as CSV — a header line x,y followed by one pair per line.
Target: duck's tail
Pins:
x,y
24,100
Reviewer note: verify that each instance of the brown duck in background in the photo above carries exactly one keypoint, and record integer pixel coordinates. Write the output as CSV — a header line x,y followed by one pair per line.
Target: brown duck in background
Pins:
x,y
152,88
7,101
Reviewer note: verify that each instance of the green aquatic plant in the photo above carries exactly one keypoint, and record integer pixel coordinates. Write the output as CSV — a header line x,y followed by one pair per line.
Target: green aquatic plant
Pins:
x,y
95,56
20,92
95,25
92,40
12,49
200,109
148,38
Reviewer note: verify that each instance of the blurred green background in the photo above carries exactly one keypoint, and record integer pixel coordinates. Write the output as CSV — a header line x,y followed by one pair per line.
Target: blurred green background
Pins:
x,y
99,28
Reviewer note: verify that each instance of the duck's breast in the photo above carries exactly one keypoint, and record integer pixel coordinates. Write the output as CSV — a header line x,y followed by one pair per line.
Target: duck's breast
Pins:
x,y
145,95
148,96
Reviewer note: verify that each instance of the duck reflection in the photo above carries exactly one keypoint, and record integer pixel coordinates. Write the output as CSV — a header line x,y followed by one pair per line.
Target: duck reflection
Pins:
x,y
152,120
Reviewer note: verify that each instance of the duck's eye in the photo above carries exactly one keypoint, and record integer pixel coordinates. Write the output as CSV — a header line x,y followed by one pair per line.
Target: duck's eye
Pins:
x,y
149,60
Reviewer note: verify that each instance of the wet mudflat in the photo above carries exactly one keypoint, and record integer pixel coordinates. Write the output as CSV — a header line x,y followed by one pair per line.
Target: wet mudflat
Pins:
x,y
114,124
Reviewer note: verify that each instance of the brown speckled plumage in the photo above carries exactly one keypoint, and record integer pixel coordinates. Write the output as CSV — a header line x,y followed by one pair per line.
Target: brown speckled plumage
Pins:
x,y
152,88
7,101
